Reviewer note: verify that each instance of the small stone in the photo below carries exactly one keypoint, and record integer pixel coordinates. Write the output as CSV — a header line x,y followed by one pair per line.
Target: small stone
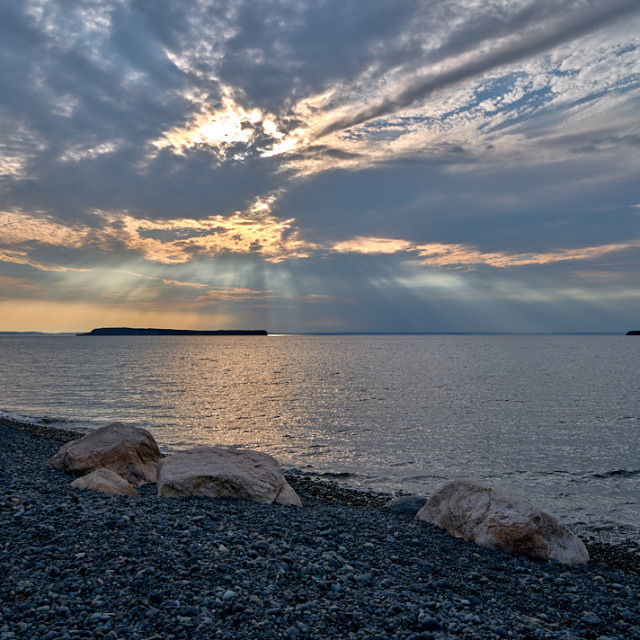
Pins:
x,y
228,595
430,624
292,633
590,618
363,577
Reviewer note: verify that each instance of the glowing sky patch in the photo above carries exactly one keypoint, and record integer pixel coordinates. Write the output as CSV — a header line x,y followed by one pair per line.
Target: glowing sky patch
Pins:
x,y
372,246
218,129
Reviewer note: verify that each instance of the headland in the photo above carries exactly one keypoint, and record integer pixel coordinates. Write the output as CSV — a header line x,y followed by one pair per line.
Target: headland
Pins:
x,y
133,331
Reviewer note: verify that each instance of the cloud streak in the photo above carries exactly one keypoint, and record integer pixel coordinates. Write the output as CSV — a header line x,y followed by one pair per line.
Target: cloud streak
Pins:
x,y
463,256
539,40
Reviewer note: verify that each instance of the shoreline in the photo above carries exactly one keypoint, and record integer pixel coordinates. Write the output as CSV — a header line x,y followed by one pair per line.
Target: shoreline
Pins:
x,y
622,555
40,430
78,564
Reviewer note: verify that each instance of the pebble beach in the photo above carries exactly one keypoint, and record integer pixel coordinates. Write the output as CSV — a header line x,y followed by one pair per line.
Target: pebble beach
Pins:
x,y
77,564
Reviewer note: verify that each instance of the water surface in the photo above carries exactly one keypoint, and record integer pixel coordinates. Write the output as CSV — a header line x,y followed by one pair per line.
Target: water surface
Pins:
x,y
552,418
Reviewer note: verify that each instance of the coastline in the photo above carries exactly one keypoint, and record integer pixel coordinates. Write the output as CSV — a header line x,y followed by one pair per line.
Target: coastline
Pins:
x,y
619,555
79,564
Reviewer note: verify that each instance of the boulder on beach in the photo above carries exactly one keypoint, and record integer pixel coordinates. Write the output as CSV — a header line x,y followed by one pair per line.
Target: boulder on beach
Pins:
x,y
129,451
406,505
495,520
219,472
105,481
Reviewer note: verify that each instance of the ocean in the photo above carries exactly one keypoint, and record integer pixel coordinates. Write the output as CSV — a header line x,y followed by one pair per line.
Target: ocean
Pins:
x,y
554,419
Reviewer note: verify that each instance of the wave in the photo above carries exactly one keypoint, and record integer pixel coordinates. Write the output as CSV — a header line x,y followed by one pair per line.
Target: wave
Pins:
x,y
64,424
16,417
334,474
617,473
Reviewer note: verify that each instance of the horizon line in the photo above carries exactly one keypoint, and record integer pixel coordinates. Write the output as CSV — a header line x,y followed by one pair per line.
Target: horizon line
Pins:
x,y
367,333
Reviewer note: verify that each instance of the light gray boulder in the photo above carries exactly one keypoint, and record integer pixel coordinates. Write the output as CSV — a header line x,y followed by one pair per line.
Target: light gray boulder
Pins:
x,y
495,520
220,472
130,451
105,481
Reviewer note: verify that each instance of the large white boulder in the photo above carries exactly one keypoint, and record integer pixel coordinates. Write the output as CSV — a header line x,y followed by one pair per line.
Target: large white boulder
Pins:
x,y
105,481
129,451
495,520
225,472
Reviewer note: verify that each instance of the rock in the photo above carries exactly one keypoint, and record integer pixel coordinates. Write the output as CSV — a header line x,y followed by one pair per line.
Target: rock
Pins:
x,y
105,481
287,495
129,451
408,505
225,472
291,633
363,577
495,520
430,624
590,618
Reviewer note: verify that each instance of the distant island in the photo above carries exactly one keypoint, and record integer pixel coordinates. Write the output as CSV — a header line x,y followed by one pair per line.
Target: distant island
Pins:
x,y
129,331
633,333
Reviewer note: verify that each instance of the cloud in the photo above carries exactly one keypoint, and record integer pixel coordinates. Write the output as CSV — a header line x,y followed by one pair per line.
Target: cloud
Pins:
x,y
523,46
442,255
23,258
173,241
465,256
12,287
206,293
372,246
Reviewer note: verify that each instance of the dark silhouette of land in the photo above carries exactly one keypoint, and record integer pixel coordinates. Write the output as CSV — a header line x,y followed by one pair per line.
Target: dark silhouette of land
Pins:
x,y
129,331
633,333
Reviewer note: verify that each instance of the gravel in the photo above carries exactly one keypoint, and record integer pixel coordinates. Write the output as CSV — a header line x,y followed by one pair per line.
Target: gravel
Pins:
x,y
76,564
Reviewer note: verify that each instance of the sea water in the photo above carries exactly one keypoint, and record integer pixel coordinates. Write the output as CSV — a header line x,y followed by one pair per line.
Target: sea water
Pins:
x,y
555,419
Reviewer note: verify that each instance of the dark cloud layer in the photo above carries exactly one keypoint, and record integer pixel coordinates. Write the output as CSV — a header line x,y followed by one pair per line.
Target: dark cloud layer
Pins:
x,y
330,42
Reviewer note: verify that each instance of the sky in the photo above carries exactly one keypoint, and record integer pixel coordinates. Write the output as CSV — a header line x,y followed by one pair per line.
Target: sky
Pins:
x,y
320,166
